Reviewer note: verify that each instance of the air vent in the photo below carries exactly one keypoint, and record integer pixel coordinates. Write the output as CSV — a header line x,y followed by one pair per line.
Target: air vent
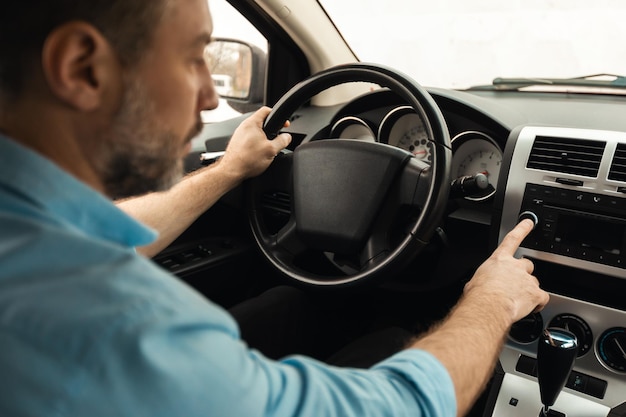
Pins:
x,y
566,155
618,166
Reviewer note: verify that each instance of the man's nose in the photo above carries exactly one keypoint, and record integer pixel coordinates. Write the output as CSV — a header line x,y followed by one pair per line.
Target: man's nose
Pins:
x,y
209,99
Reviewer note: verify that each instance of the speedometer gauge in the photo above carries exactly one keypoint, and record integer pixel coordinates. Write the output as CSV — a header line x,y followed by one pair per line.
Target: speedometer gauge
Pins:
x,y
476,153
404,128
351,127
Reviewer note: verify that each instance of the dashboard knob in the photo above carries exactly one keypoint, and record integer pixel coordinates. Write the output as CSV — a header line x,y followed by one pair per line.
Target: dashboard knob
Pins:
x,y
468,185
528,215
528,329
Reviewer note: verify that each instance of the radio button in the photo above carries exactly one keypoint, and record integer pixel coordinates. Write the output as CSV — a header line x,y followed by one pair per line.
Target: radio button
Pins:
x,y
553,247
550,216
612,203
563,194
594,256
528,215
532,189
548,225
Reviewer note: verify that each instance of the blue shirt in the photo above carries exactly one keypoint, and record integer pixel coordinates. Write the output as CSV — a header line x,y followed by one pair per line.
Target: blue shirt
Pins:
x,y
90,328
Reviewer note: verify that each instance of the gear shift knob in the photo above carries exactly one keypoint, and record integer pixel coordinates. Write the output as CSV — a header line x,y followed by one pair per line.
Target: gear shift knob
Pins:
x,y
556,353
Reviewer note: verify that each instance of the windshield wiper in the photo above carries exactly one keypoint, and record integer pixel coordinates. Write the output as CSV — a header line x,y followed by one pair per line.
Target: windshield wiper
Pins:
x,y
593,81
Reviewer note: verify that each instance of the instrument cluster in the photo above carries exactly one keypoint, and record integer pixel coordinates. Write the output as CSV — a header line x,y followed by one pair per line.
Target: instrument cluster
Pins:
x,y
474,152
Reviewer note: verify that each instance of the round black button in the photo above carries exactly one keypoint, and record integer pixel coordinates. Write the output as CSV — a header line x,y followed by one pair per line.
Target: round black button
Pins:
x,y
528,215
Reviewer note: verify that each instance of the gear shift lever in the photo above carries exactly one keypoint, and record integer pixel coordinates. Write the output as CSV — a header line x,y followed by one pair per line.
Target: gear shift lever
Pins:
x,y
556,353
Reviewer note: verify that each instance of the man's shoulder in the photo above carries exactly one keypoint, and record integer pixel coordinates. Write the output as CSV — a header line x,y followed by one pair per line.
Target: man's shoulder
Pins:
x,y
45,261
32,245
56,281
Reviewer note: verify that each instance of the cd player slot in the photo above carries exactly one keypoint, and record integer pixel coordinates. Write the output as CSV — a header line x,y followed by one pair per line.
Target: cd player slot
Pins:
x,y
582,214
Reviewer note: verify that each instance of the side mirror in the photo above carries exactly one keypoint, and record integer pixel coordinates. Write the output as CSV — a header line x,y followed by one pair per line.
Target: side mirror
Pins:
x,y
238,70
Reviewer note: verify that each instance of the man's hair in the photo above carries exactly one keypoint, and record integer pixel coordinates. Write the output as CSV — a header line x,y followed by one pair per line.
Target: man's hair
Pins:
x,y
24,25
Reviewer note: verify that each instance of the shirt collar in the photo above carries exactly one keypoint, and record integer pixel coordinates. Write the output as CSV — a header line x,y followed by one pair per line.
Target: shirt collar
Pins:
x,y
69,200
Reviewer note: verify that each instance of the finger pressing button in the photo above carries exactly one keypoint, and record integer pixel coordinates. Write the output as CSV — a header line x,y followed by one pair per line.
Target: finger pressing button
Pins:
x,y
528,215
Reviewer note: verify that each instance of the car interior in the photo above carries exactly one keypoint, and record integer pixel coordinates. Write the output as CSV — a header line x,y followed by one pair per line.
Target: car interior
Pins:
x,y
392,194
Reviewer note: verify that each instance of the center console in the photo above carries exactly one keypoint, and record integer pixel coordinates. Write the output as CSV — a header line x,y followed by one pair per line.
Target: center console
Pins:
x,y
573,182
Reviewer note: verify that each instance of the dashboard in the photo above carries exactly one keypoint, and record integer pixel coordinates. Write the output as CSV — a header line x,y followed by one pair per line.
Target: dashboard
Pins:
x,y
561,156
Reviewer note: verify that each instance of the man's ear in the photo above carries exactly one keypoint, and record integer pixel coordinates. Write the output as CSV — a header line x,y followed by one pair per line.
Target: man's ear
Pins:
x,y
78,63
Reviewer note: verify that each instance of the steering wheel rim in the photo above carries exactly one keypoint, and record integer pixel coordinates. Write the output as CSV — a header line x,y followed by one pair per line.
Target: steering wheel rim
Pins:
x,y
282,247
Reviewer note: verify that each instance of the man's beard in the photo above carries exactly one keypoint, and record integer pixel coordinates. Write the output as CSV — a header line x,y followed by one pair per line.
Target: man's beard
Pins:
x,y
138,155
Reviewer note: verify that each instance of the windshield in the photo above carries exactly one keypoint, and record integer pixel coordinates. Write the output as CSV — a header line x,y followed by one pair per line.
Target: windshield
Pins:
x,y
463,43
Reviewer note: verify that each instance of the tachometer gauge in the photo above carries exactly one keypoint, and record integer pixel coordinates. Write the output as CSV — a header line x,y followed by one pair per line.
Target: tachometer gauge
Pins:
x,y
351,127
474,153
404,128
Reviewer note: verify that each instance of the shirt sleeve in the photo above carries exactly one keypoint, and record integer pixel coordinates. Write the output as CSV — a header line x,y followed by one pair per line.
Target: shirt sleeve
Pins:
x,y
411,383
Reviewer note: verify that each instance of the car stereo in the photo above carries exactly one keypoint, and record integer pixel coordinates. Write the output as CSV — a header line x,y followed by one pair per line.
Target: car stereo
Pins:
x,y
577,224
574,182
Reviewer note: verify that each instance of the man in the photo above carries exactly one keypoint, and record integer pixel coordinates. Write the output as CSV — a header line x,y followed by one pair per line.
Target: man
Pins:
x,y
88,327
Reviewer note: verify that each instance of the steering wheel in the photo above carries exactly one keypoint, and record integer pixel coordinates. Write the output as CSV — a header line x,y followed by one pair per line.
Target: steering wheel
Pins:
x,y
342,212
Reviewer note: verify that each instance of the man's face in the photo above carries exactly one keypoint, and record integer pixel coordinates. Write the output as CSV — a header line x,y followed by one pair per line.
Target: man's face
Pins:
x,y
160,110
